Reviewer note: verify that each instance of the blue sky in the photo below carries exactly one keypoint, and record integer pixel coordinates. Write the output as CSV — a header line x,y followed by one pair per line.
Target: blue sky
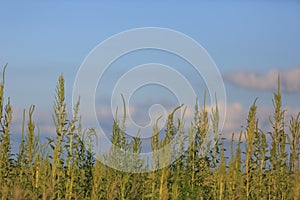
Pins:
x,y
42,39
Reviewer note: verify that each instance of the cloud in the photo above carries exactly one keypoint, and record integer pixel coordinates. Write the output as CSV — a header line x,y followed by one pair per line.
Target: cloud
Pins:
x,y
290,81
236,118
237,114
42,119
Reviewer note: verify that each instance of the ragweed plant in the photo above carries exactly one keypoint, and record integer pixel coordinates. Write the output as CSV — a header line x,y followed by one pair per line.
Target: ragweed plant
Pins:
x,y
65,167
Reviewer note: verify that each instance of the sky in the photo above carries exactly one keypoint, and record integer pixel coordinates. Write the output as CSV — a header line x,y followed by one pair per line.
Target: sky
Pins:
x,y
249,41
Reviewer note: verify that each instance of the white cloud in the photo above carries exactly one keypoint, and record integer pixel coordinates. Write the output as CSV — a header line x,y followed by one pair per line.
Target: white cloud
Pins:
x,y
290,80
236,118
42,120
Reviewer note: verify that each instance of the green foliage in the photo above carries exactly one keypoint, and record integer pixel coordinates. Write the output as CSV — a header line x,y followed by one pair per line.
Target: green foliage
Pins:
x,y
6,175
66,167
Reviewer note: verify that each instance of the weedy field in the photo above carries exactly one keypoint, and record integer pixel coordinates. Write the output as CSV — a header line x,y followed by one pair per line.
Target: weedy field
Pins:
x,y
66,167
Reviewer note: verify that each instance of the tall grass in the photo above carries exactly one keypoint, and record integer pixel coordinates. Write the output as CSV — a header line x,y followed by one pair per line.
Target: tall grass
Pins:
x,y
65,167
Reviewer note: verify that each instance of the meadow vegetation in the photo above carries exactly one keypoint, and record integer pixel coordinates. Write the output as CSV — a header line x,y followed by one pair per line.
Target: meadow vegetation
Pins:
x,y
66,166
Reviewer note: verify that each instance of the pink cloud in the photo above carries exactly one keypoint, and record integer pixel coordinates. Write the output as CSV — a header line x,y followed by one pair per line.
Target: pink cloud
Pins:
x,y
290,80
